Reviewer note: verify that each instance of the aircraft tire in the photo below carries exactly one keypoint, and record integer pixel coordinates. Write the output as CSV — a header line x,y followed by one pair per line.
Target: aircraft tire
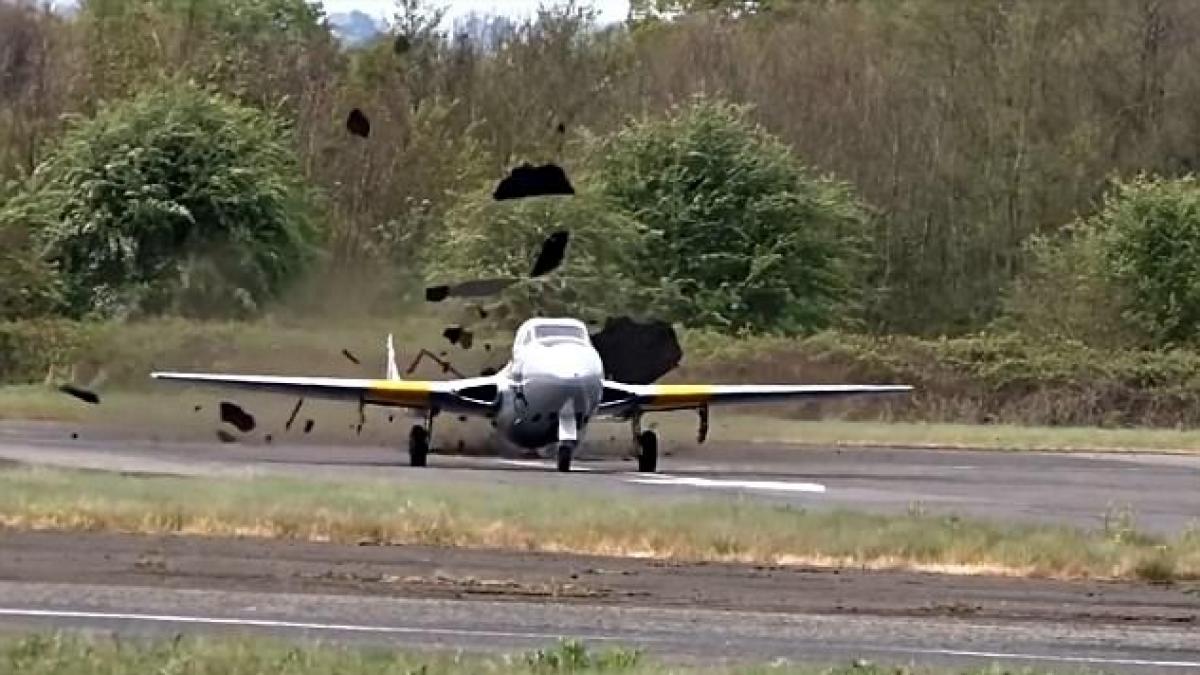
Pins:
x,y
565,453
418,446
648,455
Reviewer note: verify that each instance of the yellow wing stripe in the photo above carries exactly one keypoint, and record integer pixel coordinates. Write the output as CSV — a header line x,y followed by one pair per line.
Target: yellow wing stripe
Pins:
x,y
398,392
680,394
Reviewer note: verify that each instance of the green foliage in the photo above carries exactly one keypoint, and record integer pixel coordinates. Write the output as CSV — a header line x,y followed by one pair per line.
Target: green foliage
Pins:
x,y
1151,230
571,656
1128,275
753,240
175,201
1066,293
599,277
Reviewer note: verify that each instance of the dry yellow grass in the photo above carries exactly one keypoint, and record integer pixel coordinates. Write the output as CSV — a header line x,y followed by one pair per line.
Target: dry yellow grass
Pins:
x,y
556,520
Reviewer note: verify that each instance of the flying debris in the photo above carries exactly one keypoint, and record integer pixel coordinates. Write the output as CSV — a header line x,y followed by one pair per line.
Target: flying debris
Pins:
x,y
561,128
351,357
533,181
358,124
457,335
240,419
197,408
308,425
225,436
268,438
292,418
476,288
554,249
637,353
80,393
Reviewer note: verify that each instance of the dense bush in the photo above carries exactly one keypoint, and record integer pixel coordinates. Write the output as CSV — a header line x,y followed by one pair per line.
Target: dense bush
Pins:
x,y
752,238
175,201
1128,275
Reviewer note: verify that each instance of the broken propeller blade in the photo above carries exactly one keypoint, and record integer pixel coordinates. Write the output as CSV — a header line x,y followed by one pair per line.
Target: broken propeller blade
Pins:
x,y
554,249
80,393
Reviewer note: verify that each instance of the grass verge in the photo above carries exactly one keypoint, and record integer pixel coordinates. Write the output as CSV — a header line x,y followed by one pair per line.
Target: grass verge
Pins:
x,y
560,520
58,654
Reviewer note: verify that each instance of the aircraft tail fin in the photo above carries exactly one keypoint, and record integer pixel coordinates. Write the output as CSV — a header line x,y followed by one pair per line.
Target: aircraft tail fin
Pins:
x,y
393,373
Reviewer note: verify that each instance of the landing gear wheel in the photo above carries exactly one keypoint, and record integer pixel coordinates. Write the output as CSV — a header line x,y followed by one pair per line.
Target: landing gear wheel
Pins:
x,y
648,455
566,451
418,446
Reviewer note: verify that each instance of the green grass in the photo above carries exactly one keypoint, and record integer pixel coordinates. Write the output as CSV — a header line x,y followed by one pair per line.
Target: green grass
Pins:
x,y
547,519
58,654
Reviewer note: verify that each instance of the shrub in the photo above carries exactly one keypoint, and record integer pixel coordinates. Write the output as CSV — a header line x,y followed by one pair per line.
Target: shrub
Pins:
x,y
177,200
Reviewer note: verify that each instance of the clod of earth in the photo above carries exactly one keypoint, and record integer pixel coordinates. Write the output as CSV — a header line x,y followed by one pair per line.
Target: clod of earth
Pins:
x,y
308,425
80,393
225,436
358,124
554,249
453,334
233,414
527,180
637,353
197,408
292,418
351,357
561,128
437,293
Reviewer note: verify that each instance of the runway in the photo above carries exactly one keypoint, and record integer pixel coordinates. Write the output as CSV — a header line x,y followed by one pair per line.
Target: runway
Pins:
x,y
1161,492
509,601
497,600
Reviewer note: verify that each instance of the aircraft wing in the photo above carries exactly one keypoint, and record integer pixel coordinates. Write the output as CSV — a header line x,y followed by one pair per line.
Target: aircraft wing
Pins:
x,y
469,395
623,399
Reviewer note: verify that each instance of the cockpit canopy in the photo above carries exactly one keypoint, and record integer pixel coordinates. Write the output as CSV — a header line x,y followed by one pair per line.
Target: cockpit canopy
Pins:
x,y
548,331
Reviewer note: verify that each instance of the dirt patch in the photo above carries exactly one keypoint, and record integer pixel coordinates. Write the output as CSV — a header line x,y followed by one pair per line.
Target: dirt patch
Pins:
x,y
231,564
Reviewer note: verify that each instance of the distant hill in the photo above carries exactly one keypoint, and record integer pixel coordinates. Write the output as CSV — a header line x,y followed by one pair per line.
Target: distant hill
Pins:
x,y
355,28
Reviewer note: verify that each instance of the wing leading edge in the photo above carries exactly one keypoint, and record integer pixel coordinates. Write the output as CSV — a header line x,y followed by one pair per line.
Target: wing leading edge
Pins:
x,y
471,395
623,398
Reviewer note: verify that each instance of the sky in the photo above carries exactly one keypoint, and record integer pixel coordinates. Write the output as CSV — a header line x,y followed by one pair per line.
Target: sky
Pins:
x,y
610,10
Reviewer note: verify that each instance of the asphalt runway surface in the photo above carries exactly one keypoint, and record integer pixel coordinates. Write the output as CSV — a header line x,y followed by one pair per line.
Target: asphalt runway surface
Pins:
x,y
506,601
1160,492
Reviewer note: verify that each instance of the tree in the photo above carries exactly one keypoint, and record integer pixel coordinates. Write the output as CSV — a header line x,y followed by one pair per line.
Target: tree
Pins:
x,y
753,239
175,201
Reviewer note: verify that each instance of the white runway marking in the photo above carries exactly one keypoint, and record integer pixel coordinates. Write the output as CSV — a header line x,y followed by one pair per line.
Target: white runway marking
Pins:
x,y
685,481
462,632
304,625
538,464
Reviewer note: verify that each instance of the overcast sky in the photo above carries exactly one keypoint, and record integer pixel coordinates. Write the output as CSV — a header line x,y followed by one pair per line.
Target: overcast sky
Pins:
x,y
610,10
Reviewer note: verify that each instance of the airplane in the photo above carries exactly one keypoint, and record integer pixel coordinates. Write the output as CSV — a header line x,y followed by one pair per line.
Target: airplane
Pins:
x,y
548,393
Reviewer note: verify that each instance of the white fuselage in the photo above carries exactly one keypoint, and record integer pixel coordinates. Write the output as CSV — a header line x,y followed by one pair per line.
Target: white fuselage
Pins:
x,y
555,382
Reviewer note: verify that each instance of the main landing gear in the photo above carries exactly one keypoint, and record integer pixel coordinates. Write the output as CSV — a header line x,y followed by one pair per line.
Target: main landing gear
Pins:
x,y
647,445
418,442
647,452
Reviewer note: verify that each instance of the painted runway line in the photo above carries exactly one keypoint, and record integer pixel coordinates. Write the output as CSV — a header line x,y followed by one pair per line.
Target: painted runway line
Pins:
x,y
714,483
598,637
